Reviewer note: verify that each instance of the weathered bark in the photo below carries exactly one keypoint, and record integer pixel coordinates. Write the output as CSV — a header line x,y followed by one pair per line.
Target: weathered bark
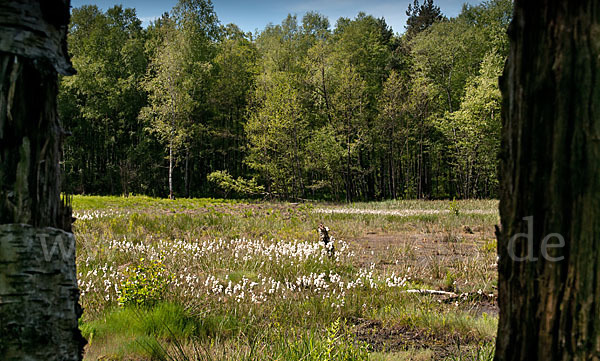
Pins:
x,y
38,290
550,171
36,29
38,294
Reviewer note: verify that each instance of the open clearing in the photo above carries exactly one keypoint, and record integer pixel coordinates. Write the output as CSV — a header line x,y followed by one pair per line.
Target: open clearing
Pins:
x,y
226,280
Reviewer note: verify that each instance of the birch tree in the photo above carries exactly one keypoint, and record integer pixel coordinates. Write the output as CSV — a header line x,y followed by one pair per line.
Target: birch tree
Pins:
x,y
39,298
170,92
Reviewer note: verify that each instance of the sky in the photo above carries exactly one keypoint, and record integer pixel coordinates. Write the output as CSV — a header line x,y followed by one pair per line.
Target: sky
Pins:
x,y
255,15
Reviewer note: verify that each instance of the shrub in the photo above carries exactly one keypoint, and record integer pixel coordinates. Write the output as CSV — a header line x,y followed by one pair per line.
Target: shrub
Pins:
x,y
453,207
144,285
241,186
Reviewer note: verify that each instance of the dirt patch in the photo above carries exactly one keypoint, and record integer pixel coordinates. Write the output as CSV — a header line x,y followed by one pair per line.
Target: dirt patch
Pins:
x,y
420,249
430,261
394,338
476,303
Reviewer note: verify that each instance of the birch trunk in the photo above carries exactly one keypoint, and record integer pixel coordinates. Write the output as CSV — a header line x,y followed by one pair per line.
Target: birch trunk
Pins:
x,y
39,308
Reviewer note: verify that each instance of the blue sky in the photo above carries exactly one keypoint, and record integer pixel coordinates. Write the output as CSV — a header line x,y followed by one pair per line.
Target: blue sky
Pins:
x,y
254,15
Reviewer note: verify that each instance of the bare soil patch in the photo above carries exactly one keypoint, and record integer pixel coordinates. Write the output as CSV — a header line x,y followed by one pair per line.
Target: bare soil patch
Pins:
x,y
394,338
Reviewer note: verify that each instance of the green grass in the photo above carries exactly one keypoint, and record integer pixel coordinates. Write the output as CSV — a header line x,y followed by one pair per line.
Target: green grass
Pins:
x,y
192,321
123,332
82,203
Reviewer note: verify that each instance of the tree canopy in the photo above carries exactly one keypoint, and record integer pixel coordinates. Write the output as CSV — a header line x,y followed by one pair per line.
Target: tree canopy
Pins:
x,y
306,109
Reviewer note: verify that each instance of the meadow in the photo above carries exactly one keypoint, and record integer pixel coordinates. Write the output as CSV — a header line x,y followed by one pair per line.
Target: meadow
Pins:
x,y
211,279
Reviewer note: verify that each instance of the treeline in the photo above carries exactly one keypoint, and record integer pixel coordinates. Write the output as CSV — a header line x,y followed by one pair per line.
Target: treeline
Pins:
x,y
190,107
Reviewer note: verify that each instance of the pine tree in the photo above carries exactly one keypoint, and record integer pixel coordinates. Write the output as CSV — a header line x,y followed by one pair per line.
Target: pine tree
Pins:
x,y
422,16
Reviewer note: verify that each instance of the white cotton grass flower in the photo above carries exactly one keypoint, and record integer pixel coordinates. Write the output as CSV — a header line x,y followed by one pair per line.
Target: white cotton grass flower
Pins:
x,y
200,270
95,214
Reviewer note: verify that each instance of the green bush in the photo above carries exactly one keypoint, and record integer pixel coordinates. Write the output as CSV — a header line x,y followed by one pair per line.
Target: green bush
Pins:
x,y
144,285
453,207
224,181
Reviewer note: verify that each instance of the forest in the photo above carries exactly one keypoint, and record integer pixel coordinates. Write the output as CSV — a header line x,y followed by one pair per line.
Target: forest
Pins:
x,y
258,139
305,109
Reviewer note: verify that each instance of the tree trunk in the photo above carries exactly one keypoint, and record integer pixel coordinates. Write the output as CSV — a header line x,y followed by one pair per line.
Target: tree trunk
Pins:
x,y
348,176
39,308
187,173
550,184
171,196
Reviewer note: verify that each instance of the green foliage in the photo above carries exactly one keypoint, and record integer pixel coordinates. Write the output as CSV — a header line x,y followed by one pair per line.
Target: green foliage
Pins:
x,y
277,133
170,89
100,104
473,130
447,54
490,246
163,320
393,128
309,110
325,162
144,285
453,207
233,75
341,346
241,186
450,281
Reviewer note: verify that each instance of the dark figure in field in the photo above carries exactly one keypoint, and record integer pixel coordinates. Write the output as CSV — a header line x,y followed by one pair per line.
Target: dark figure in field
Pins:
x,y
326,239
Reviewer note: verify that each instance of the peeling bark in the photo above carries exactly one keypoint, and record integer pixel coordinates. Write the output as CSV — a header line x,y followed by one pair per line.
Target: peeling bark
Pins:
x,y
36,29
38,288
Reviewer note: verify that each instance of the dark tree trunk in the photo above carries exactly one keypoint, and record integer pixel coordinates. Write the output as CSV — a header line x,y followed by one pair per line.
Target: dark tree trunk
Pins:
x,y
39,308
550,171
187,173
